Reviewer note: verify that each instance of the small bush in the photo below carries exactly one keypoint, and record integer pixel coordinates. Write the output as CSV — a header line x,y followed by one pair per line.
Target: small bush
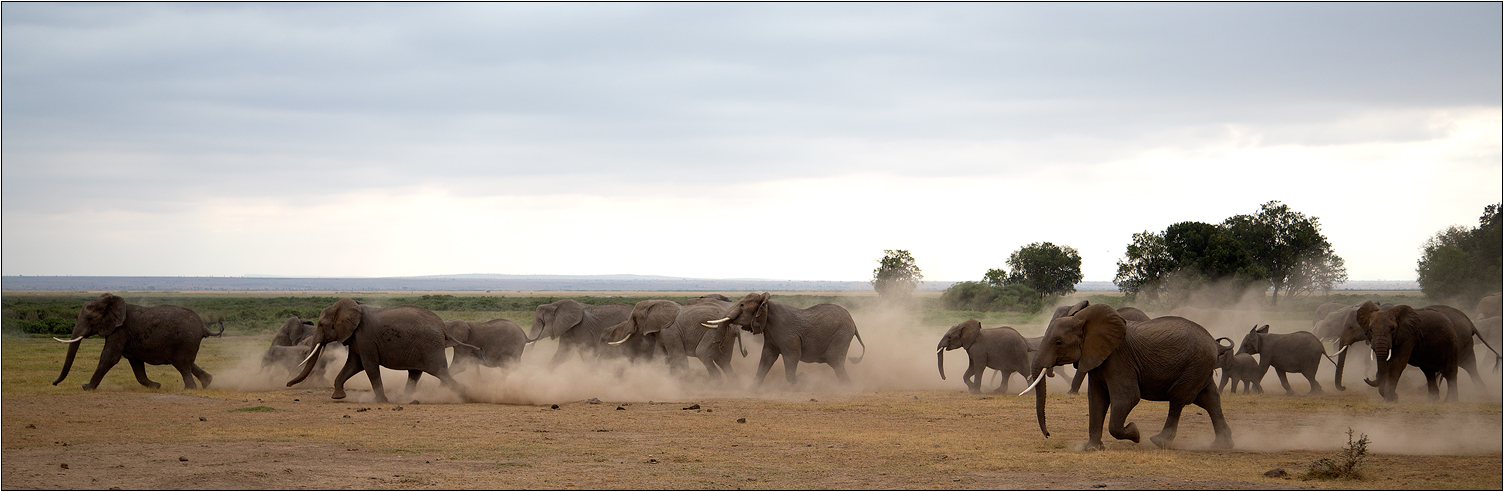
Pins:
x,y
1345,464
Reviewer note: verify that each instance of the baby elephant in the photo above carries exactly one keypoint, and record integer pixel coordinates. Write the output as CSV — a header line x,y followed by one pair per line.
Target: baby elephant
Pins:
x,y
1298,352
1238,368
1000,348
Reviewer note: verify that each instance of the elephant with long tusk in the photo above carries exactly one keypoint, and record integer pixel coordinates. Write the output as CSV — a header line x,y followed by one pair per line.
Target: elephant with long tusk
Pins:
x,y
680,331
578,328
142,335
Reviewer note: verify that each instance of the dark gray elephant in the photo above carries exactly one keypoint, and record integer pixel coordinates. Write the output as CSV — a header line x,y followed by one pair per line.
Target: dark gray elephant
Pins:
x,y
1238,368
678,332
495,343
292,343
143,335
1000,348
1074,380
1402,336
404,338
578,328
1463,326
1164,359
819,334
1300,352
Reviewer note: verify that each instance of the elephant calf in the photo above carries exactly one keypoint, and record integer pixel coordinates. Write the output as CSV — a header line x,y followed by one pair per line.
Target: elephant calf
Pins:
x,y
1298,352
1238,368
495,343
1000,348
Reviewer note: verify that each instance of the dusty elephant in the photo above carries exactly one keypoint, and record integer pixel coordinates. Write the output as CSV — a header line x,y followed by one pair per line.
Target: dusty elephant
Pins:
x,y
678,333
143,335
1164,359
1402,336
1490,306
578,328
1238,368
1300,352
1000,348
292,343
1463,326
404,338
819,334
495,343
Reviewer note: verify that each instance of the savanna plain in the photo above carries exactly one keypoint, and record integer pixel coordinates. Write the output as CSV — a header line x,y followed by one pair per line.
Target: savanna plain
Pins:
x,y
616,425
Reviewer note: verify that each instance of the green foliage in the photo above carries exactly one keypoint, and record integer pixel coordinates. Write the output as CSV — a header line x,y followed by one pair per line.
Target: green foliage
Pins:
x,y
1278,248
1345,464
978,296
1045,268
1463,264
42,316
896,276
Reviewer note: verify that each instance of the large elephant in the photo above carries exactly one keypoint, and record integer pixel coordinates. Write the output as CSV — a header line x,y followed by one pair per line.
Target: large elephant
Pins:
x,y
1000,348
155,335
1164,359
678,332
578,328
1402,336
1238,368
1298,352
1463,326
1490,306
404,338
495,343
819,334
1324,309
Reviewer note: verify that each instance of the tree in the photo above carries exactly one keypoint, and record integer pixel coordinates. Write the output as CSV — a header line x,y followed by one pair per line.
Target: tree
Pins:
x,y
1045,267
896,276
1285,244
1145,267
1462,263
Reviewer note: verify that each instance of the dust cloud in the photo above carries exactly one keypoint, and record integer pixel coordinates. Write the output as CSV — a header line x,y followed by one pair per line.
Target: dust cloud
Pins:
x,y
1443,434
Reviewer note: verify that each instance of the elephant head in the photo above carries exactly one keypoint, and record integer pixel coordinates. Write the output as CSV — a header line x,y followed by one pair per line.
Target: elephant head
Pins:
x,y
751,313
648,317
1085,337
294,331
554,319
1224,354
100,316
336,323
1253,342
1384,329
959,336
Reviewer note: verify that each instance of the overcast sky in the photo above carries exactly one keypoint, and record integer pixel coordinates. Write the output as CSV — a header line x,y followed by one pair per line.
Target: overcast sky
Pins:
x,y
787,141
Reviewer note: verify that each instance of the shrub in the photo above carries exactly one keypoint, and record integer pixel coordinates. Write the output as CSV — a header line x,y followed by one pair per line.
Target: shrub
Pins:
x,y
1345,464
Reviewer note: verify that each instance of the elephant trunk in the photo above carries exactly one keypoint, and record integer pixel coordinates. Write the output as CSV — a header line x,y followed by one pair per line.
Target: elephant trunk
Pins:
x,y
312,360
1039,397
68,362
536,331
1341,363
940,359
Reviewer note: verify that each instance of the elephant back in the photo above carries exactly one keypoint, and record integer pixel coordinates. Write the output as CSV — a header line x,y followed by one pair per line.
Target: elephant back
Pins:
x,y
1172,354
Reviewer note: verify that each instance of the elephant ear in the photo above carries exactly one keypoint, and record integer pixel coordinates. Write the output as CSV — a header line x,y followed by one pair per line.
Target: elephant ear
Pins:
x,y
566,317
971,330
1261,329
761,315
347,318
659,315
1406,320
111,309
1102,332
456,331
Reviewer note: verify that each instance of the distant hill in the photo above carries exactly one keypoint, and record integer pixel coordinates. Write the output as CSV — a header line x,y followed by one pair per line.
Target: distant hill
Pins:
x,y
484,282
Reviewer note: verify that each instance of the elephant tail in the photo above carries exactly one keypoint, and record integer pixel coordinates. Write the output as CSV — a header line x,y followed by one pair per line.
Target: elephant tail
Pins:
x,y
858,360
221,333
1497,358
1330,357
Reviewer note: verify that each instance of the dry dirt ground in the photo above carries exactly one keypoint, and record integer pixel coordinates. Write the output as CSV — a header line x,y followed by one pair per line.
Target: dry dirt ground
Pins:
x,y
300,438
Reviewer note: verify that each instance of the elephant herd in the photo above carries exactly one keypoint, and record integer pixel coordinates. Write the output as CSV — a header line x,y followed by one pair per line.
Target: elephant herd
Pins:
x,y
414,339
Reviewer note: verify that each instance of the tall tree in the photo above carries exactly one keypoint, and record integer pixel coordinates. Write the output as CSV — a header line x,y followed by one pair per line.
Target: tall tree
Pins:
x,y
1046,268
896,276
1145,267
1459,263
1284,243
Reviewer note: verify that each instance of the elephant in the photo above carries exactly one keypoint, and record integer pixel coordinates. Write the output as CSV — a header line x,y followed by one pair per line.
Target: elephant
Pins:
x,y
1490,329
1490,306
1463,326
1402,336
1298,352
1164,359
677,332
405,338
500,343
1000,348
578,328
1238,368
818,334
1034,349
292,343
1324,309
1133,314
155,335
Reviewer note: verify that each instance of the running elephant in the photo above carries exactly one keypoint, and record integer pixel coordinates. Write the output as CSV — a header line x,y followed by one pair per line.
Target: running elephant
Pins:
x,y
404,338
1000,348
819,334
155,335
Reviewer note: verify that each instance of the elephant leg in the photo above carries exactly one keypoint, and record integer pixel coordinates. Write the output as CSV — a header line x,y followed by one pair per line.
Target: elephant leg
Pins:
x,y
1076,383
352,366
1223,384
448,381
1117,423
187,375
1166,436
1097,404
839,365
765,364
1315,386
1003,387
373,372
1211,401
1433,390
1451,377
790,364
1471,366
412,380
1284,381
972,379
565,350
203,376
139,368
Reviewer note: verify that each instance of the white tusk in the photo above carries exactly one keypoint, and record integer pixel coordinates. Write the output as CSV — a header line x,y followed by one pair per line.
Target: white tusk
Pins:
x,y
1370,356
1339,352
68,341
938,350
1386,356
619,342
310,354
1036,383
713,323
